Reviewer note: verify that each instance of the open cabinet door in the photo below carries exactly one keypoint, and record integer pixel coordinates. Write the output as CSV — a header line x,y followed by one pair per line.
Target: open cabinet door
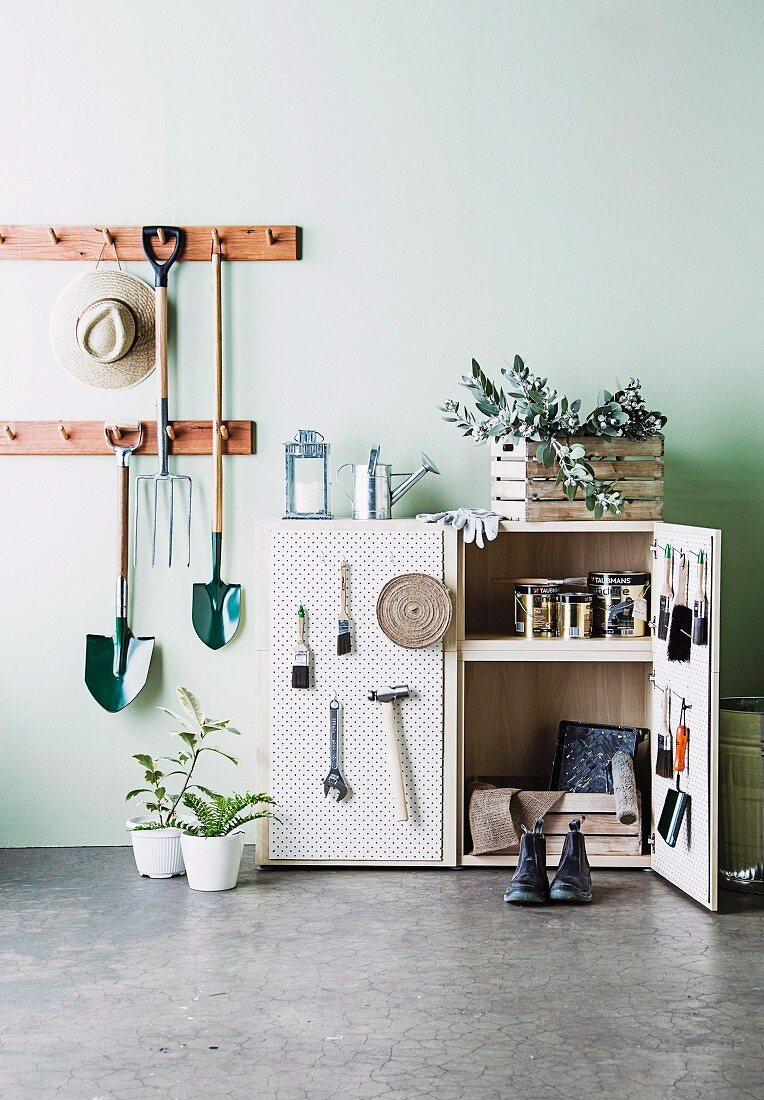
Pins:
x,y
692,865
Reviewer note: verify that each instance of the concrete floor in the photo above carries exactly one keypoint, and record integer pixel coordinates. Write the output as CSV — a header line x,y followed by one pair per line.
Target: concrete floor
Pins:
x,y
313,984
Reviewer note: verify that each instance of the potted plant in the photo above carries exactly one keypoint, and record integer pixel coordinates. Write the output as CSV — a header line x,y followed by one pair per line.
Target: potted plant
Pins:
x,y
531,410
156,838
214,844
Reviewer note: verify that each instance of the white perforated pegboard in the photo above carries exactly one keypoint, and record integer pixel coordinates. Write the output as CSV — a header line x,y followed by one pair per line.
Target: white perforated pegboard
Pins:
x,y
306,569
688,865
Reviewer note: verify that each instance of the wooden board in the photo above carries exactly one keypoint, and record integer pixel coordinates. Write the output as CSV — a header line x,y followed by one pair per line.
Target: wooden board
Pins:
x,y
86,437
83,242
595,845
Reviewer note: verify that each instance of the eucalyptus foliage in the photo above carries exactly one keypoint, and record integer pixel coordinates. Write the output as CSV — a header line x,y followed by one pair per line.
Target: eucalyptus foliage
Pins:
x,y
218,815
531,410
194,728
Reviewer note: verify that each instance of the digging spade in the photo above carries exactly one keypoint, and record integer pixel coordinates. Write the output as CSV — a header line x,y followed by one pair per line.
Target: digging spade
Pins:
x,y
116,667
217,605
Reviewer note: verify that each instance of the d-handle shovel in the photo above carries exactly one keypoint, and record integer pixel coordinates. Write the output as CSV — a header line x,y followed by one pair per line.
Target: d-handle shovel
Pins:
x,y
216,606
116,668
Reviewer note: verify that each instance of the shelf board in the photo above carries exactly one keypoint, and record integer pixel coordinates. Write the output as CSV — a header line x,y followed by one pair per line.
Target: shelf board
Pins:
x,y
557,526
612,861
500,647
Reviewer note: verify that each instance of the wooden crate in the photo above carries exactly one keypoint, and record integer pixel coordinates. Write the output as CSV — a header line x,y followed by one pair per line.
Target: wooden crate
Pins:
x,y
524,489
605,835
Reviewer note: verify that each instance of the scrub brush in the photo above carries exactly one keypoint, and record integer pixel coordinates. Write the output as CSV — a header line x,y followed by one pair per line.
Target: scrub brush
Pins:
x,y
664,758
680,631
301,661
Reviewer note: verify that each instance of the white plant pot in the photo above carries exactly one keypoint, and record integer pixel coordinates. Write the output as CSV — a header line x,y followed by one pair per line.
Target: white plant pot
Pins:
x,y
212,862
157,851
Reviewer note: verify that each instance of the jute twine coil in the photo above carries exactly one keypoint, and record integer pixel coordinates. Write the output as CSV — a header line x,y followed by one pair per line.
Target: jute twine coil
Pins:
x,y
414,610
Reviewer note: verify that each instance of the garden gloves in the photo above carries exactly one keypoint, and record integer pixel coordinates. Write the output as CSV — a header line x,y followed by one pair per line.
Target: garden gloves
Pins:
x,y
474,522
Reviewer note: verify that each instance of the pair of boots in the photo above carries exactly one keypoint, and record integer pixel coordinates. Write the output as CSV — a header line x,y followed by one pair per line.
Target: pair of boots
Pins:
x,y
530,884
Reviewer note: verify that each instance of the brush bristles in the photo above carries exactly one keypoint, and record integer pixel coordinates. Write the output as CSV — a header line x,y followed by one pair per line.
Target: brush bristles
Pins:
x,y
300,676
680,634
664,764
343,638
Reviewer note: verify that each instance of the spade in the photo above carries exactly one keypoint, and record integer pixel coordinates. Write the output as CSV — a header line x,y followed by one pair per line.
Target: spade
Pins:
x,y
217,605
116,668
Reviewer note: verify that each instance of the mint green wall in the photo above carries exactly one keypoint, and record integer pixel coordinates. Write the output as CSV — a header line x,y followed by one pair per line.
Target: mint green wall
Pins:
x,y
578,182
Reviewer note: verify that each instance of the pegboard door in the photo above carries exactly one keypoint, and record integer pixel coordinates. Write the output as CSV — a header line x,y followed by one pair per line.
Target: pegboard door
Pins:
x,y
692,865
302,562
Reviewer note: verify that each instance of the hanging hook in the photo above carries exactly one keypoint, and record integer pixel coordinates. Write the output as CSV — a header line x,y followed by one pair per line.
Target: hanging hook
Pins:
x,y
52,235
63,432
170,432
161,235
270,236
2,239
216,246
9,432
108,239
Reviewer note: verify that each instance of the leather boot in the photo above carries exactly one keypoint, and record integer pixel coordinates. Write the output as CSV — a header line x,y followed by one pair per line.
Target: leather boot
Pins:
x,y
530,884
573,881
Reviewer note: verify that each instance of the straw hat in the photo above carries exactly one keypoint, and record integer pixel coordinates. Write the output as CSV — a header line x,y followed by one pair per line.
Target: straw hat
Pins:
x,y
102,329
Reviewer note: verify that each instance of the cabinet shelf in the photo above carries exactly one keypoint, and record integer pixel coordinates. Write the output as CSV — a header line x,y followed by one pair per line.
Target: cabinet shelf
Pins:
x,y
502,647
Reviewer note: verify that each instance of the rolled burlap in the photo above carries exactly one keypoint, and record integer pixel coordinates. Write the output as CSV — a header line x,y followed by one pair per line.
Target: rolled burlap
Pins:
x,y
414,610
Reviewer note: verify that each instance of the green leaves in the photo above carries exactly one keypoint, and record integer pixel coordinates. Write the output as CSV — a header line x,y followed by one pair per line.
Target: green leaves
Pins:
x,y
190,704
218,815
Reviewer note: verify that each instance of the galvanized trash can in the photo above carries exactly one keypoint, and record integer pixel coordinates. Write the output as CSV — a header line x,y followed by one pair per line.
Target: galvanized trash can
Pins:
x,y
741,794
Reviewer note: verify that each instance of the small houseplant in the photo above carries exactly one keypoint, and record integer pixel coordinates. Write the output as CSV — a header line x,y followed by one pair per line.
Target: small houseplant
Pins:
x,y
213,844
531,410
156,838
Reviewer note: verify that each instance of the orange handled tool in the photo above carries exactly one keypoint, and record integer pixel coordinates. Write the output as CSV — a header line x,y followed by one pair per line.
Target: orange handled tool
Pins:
x,y
681,737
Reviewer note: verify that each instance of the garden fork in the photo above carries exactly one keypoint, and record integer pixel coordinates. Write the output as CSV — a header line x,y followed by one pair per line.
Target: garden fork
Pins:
x,y
161,270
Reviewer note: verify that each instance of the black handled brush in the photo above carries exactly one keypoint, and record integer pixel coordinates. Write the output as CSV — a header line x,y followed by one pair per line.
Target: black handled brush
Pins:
x,y
680,631
343,625
700,604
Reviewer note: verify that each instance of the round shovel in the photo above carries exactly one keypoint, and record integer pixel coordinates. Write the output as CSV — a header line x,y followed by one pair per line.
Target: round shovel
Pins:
x,y
217,605
116,668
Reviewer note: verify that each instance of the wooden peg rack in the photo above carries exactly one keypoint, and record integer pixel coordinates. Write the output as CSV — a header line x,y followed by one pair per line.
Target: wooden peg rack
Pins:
x,y
86,437
84,242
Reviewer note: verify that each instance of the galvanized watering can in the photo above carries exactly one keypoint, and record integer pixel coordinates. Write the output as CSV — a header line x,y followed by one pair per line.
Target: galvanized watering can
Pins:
x,y
373,495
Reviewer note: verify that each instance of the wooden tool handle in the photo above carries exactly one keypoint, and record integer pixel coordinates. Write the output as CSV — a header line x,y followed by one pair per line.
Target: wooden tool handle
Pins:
x,y
667,590
217,439
394,762
123,521
343,591
680,751
301,629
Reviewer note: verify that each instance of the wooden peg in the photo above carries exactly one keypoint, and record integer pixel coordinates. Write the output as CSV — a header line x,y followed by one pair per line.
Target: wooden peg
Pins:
x,y
223,431
52,235
2,239
110,242
170,432
269,236
116,432
161,235
9,432
63,432
215,241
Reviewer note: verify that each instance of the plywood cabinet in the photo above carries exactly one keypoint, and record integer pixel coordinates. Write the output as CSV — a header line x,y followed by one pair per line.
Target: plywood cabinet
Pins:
x,y
486,702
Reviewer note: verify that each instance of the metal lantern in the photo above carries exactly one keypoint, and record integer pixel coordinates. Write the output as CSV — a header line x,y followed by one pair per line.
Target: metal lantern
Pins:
x,y
306,477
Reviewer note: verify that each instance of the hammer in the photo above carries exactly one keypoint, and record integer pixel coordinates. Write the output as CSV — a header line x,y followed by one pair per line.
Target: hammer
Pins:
x,y
387,696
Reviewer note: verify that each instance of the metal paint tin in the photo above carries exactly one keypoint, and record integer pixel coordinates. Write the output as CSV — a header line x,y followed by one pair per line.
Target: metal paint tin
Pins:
x,y
535,608
574,614
621,606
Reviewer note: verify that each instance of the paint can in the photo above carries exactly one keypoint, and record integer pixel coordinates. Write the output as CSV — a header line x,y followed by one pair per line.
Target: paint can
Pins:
x,y
621,607
574,614
535,608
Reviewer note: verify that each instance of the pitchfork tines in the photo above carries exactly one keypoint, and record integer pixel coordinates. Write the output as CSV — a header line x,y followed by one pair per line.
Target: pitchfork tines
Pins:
x,y
165,478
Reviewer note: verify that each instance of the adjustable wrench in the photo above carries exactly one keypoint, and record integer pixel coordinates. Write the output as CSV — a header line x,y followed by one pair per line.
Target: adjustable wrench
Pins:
x,y
334,780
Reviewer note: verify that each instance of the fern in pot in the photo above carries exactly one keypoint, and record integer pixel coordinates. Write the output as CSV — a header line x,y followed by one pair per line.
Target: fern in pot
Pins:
x,y
156,836
213,844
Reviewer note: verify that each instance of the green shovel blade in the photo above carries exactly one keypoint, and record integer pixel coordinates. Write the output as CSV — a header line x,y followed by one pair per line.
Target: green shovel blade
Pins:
x,y
216,606
117,668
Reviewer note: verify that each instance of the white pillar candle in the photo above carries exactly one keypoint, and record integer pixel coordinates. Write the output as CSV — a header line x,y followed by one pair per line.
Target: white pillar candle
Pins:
x,y
308,497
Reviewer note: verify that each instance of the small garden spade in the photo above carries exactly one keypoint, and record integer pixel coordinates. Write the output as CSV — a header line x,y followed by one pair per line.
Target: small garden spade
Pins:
x,y
116,668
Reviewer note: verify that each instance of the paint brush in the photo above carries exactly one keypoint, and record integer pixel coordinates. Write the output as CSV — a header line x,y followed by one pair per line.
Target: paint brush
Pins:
x,y
680,630
666,595
301,660
699,604
343,625
664,757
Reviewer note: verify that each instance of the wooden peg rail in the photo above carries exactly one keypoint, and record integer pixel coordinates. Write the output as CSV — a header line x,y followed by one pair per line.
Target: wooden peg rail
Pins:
x,y
85,437
84,242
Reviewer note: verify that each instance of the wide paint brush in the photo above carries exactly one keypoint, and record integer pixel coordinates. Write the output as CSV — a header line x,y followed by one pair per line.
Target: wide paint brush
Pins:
x,y
301,660
680,630
343,625
666,595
